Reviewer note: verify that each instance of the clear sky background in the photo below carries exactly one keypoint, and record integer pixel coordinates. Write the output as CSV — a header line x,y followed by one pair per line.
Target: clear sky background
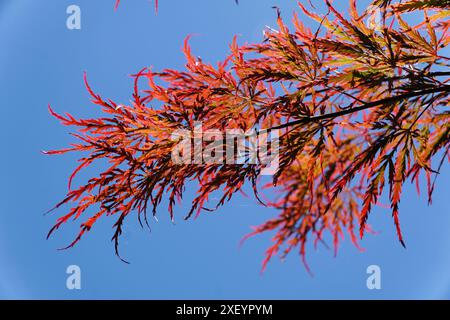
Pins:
x,y
42,62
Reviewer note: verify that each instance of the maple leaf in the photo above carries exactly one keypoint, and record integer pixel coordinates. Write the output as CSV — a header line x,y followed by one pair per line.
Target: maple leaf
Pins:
x,y
359,111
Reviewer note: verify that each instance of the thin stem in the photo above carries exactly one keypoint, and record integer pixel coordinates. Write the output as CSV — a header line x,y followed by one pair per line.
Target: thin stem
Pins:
x,y
359,108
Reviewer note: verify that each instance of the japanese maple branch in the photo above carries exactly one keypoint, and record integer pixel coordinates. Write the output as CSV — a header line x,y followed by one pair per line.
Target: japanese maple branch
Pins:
x,y
365,106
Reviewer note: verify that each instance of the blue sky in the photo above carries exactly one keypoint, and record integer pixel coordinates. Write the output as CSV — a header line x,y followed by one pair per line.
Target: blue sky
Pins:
x,y
42,62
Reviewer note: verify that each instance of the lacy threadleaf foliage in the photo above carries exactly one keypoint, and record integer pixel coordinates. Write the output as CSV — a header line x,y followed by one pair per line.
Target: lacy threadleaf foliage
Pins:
x,y
362,106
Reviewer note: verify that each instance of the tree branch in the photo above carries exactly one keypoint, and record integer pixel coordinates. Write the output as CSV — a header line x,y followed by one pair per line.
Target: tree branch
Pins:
x,y
365,106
